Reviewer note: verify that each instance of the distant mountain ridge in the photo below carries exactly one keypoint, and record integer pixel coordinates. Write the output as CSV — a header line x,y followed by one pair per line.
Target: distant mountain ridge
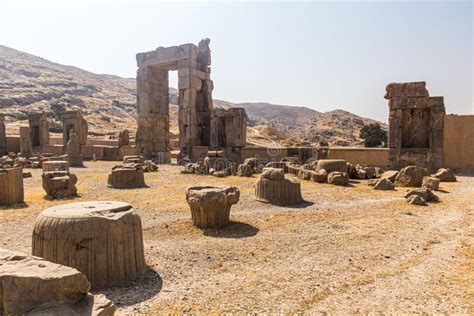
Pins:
x,y
31,83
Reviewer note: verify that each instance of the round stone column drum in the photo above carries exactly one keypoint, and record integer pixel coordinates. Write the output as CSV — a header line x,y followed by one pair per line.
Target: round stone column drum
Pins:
x,y
210,206
279,192
126,178
102,239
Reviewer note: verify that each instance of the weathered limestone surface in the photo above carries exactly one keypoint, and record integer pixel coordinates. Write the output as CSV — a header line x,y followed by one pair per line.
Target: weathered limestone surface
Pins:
x,y
445,175
127,176
228,128
73,150
74,121
411,176
26,147
424,193
210,206
430,183
11,186
28,282
338,178
415,134
3,136
390,175
102,239
244,170
320,176
59,184
384,184
39,129
331,165
195,98
273,188
56,165
124,138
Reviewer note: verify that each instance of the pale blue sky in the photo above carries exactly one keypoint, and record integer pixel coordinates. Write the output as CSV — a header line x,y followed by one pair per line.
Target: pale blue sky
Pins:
x,y
315,54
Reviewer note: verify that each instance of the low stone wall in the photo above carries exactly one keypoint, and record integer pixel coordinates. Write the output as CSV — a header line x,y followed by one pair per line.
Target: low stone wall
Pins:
x,y
57,150
377,157
102,142
458,139
56,140
269,153
127,151
88,152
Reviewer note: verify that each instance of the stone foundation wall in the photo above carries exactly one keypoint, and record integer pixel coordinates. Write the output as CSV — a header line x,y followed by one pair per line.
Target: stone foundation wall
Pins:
x,y
458,139
377,157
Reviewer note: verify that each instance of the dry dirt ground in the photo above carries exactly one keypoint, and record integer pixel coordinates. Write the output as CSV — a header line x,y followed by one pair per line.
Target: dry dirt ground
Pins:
x,y
348,250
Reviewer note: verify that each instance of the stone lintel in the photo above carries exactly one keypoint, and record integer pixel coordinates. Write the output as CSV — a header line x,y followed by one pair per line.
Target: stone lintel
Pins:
x,y
166,55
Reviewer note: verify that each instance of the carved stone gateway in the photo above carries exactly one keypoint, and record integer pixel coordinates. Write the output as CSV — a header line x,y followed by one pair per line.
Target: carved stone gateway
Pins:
x,y
195,98
39,129
73,121
415,126
3,136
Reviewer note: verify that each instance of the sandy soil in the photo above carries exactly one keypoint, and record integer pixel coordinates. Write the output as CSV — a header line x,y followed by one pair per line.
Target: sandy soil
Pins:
x,y
348,250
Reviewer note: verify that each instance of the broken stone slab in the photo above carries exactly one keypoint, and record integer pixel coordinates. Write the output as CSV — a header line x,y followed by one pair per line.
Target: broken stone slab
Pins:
x,y
338,178
391,175
102,239
59,184
384,184
320,176
411,176
34,286
126,177
425,193
244,170
445,175
210,206
273,174
430,183
416,200
331,165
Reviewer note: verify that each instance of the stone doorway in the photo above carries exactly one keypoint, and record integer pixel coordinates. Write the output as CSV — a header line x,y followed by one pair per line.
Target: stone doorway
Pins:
x,y
194,100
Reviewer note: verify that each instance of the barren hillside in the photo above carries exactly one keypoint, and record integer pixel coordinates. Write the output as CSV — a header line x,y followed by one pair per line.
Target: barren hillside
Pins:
x,y
29,83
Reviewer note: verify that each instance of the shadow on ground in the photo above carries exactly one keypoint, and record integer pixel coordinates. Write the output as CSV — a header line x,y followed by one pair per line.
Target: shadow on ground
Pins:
x,y
233,230
149,284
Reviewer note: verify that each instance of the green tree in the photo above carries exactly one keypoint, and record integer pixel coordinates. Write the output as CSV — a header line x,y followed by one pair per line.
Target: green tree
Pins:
x,y
323,143
373,135
56,109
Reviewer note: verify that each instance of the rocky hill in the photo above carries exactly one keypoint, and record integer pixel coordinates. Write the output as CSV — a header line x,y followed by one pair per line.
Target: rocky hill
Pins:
x,y
30,83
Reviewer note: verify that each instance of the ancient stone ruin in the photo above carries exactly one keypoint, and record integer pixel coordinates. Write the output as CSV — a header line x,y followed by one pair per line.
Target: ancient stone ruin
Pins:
x,y
39,130
26,147
273,188
33,286
415,134
73,150
126,176
3,136
195,98
210,206
55,165
59,184
74,121
229,129
11,186
101,239
124,138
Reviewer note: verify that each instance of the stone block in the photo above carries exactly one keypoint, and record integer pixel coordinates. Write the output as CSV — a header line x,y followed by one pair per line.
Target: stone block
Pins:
x,y
102,239
11,186
210,206
279,192
410,90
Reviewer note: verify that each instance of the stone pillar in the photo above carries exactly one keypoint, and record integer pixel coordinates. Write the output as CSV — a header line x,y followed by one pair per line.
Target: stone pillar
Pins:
x,y
11,186
124,138
228,128
73,120
39,129
3,136
25,141
73,150
153,112
415,135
